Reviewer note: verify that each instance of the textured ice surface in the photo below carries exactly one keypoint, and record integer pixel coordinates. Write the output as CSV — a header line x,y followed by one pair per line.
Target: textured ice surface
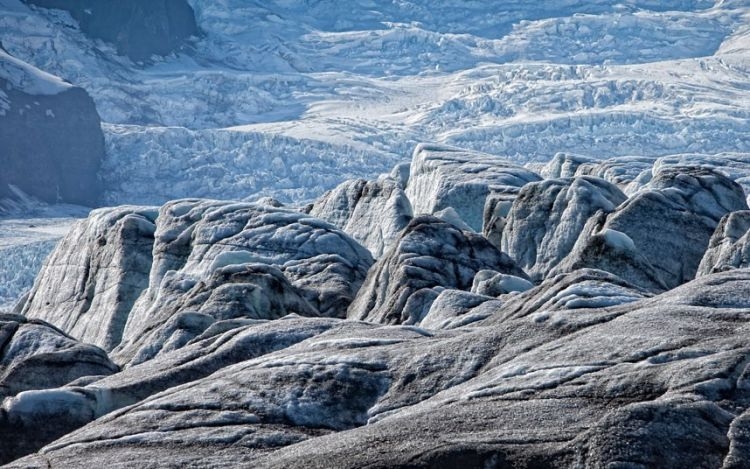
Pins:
x,y
586,369
443,177
372,212
657,238
274,91
728,247
429,256
27,235
547,218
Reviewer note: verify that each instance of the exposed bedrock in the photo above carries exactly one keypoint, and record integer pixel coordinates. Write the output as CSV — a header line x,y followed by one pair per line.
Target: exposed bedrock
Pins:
x,y
657,238
371,212
547,217
430,255
51,141
137,28
442,177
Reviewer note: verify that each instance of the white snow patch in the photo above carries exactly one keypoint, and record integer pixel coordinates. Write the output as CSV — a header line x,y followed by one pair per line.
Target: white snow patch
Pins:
x,y
618,240
29,79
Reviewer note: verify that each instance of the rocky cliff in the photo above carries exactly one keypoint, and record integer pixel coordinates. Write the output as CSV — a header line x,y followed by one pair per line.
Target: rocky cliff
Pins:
x,y
51,142
137,28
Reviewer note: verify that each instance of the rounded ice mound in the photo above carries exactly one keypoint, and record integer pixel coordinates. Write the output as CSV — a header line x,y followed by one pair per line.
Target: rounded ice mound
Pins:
x,y
490,283
547,217
216,261
666,228
729,247
90,282
371,212
36,358
430,255
442,177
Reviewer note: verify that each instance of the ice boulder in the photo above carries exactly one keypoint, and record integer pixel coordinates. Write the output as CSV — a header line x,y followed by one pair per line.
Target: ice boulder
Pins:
x,y
51,141
215,261
456,308
442,177
657,238
729,247
90,282
430,255
371,212
547,217
491,283
34,357
612,251
564,165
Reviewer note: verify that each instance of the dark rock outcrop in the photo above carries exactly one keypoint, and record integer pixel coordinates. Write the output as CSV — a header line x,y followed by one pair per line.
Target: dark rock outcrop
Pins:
x,y
138,28
51,142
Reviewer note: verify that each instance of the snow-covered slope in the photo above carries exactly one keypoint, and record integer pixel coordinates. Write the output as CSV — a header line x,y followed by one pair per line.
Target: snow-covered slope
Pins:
x,y
290,97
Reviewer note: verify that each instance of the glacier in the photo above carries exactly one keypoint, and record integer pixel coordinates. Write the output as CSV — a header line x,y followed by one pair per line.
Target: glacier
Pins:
x,y
288,99
531,250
